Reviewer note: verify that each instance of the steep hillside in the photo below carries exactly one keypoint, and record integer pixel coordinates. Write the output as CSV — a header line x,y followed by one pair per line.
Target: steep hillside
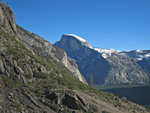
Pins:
x,y
31,84
109,67
44,49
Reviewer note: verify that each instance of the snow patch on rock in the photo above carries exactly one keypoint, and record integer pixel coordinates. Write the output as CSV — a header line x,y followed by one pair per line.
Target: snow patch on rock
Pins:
x,y
77,37
139,51
106,52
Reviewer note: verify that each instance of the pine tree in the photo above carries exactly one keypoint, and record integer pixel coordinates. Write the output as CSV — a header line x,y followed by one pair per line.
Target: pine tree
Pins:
x,y
91,80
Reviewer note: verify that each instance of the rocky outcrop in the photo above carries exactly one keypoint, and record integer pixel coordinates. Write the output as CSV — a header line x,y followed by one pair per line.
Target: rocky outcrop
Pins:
x,y
7,20
27,69
70,102
109,67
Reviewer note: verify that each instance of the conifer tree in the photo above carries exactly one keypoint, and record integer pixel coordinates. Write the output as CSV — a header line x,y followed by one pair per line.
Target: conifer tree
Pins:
x,y
91,80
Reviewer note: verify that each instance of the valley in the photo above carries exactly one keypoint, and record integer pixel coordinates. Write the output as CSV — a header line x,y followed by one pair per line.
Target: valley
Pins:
x,y
139,95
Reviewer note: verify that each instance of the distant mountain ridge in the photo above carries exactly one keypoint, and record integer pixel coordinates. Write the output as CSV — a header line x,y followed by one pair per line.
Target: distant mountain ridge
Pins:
x,y
109,67
138,54
143,58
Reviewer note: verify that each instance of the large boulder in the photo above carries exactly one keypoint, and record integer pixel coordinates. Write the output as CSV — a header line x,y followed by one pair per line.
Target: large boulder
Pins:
x,y
2,69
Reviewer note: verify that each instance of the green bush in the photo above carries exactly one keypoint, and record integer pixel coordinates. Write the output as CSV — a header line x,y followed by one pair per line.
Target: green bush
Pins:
x,y
11,83
40,75
28,76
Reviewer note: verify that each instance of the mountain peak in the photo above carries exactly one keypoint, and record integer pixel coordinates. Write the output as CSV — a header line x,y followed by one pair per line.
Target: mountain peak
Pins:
x,y
77,37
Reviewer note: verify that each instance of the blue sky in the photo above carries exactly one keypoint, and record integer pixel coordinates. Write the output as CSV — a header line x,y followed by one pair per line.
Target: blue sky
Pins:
x,y
117,24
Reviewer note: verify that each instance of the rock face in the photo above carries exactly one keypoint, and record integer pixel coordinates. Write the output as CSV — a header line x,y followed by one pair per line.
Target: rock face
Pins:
x,y
7,20
109,67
